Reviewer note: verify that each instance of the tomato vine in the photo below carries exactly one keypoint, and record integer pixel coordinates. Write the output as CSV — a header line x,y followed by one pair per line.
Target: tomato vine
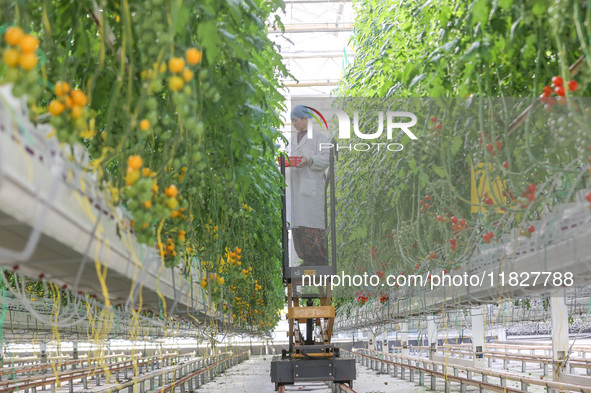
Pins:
x,y
177,104
476,66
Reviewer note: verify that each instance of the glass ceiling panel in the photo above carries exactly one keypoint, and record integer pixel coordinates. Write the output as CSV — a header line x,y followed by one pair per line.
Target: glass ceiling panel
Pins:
x,y
318,55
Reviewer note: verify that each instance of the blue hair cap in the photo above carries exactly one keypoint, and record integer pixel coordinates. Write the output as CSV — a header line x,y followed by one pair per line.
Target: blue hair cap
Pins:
x,y
300,111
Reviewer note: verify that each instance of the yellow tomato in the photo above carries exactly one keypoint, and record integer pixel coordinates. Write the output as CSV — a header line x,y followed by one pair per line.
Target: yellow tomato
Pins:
x,y
172,203
176,83
171,191
76,111
61,88
13,35
132,177
144,125
135,162
28,43
28,61
193,56
187,75
56,108
78,97
176,65
10,57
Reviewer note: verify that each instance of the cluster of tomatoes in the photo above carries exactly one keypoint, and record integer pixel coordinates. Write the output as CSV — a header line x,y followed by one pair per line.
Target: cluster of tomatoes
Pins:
x,y
488,236
227,269
21,59
557,87
528,232
362,297
453,244
425,204
22,49
528,195
374,252
70,113
457,225
494,149
437,124
490,147
68,109
487,199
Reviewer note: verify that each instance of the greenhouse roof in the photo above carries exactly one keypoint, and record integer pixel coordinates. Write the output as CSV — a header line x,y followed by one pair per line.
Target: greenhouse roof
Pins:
x,y
315,46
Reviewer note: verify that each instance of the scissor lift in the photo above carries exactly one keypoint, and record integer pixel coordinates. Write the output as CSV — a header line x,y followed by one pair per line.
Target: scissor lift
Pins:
x,y
311,357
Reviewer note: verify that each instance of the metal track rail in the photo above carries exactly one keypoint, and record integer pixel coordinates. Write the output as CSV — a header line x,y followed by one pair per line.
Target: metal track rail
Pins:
x,y
335,388
109,370
191,373
341,387
423,367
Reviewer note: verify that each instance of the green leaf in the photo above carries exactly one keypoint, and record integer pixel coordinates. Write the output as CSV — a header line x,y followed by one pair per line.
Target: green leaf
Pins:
x,y
82,44
416,80
424,179
515,29
279,3
208,35
409,72
450,45
472,49
455,145
480,12
234,6
539,8
438,170
444,15
180,19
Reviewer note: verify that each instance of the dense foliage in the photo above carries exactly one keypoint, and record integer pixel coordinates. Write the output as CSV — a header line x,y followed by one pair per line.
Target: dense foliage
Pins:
x,y
412,211
176,103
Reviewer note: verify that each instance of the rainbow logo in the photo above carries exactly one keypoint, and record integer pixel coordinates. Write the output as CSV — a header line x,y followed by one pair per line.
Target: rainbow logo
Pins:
x,y
313,112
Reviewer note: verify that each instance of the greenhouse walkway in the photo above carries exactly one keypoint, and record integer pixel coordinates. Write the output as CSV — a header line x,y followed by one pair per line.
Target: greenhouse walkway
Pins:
x,y
253,376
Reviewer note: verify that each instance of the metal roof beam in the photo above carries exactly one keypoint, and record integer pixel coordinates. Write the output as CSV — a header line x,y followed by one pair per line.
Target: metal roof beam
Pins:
x,y
315,28
313,83
315,55
316,1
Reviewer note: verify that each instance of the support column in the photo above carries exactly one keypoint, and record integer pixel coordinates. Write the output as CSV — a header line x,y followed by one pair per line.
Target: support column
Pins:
x,y
43,347
404,338
384,368
432,336
559,333
74,353
501,334
434,378
371,346
478,336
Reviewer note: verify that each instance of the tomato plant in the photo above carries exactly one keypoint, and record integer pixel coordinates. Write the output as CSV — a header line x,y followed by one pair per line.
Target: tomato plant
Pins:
x,y
176,103
475,55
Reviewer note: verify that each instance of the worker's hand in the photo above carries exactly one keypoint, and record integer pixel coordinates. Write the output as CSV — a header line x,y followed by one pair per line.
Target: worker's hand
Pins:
x,y
303,163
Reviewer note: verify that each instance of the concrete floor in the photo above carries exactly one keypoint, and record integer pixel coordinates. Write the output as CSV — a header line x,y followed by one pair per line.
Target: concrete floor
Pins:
x,y
253,376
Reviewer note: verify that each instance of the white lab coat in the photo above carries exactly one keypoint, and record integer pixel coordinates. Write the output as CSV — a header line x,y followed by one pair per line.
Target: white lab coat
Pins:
x,y
306,185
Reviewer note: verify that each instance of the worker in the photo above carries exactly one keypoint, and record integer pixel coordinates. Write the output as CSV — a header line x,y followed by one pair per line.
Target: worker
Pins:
x,y
307,181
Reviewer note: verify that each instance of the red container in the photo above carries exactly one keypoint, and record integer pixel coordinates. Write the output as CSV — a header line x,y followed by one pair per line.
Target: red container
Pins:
x,y
293,160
